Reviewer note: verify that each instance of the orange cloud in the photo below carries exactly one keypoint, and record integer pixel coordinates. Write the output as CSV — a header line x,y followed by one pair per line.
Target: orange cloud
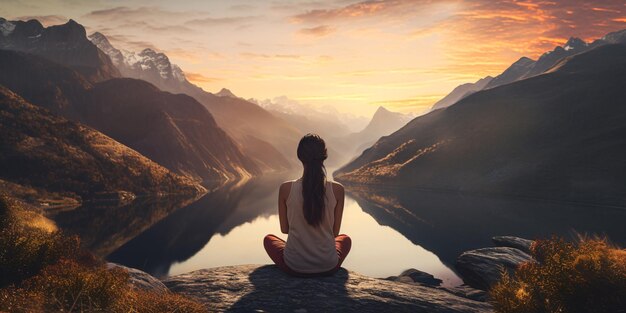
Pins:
x,y
199,78
318,31
360,9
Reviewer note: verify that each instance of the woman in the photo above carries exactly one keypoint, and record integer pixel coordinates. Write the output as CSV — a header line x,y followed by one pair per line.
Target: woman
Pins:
x,y
310,210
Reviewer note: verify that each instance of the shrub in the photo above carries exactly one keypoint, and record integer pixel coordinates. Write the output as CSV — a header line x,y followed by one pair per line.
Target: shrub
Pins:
x,y
587,276
151,302
44,271
25,250
69,286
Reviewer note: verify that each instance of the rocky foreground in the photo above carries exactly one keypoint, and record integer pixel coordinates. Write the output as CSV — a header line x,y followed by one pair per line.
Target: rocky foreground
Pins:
x,y
254,288
264,288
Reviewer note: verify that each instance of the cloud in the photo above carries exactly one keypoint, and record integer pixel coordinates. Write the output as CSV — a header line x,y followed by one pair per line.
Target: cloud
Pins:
x,y
269,56
46,20
361,9
199,78
221,21
318,31
488,27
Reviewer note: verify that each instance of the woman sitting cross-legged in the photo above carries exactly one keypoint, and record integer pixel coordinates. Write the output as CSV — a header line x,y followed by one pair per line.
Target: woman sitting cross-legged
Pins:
x,y
310,210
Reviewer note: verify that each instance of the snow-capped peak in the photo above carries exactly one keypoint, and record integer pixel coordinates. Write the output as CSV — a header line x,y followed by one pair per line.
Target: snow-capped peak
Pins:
x,y
147,64
178,73
6,27
151,58
103,44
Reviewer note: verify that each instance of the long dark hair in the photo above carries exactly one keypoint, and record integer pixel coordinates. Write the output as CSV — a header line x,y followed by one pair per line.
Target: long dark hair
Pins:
x,y
312,153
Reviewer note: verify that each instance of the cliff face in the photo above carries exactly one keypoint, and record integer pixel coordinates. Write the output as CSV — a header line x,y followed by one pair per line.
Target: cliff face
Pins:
x,y
253,288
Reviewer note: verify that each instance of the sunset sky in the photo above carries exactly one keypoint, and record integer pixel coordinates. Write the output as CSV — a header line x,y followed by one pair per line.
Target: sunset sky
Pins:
x,y
355,56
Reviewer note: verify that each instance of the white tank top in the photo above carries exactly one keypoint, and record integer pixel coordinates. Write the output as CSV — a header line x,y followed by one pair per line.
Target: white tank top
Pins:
x,y
310,249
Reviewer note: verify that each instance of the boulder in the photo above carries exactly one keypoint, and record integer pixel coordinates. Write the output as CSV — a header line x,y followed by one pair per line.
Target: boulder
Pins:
x,y
481,268
416,276
513,242
254,288
140,279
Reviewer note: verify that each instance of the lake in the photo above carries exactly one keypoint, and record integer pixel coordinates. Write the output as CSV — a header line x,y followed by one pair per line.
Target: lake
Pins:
x,y
392,229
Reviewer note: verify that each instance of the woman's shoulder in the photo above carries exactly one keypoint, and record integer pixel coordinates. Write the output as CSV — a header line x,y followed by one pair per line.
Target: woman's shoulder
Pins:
x,y
286,184
337,187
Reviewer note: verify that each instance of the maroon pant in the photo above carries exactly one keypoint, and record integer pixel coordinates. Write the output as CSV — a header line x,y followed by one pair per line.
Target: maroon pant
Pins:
x,y
275,247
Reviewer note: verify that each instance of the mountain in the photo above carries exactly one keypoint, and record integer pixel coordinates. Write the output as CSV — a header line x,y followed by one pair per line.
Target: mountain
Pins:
x,y
384,122
325,121
514,72
148,65
66,44
250,124
174,130
559,135
260,135
226,93
46,151
329,124
525,67
461,92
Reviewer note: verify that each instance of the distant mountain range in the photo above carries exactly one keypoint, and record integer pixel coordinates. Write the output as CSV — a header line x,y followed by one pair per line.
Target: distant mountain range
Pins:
x,y
329,124
59,69
526,67
557,135
147,65
174,130
266,131
384,122
266,138
42,150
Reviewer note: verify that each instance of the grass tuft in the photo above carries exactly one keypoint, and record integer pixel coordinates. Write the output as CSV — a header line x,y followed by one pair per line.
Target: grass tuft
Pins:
x,y
586,276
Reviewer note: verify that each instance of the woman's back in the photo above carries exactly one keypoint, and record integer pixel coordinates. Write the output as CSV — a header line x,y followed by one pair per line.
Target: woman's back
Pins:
x,y
310,249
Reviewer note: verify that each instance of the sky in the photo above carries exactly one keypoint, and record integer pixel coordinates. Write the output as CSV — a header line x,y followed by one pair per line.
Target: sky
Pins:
x,y
351,55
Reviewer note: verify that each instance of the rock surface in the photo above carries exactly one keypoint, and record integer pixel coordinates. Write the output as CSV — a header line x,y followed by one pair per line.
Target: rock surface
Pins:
x,y
254,288
416,276
141,280
513,242
481,268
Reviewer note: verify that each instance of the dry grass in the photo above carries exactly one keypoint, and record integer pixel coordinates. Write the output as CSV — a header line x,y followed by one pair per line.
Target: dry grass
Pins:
x,y
43,271
587,276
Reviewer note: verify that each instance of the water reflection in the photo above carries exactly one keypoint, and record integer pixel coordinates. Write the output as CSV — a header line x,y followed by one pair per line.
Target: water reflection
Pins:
x,y
450,223
226,227
187,230
105,226
392,229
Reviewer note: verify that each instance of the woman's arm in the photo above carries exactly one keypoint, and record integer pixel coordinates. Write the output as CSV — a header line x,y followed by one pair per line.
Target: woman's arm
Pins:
x,y
283,193
339,195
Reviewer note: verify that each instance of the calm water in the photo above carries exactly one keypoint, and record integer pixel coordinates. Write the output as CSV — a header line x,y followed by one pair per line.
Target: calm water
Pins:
x,y
392,230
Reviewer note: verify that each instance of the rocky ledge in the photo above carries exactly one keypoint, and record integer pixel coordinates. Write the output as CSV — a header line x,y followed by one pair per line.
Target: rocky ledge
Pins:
x,y
482,268
256,288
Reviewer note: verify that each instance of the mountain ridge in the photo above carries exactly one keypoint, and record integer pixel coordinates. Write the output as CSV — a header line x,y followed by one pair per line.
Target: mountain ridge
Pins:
x,y
132,112
515,139
43,150
250,125
66,44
